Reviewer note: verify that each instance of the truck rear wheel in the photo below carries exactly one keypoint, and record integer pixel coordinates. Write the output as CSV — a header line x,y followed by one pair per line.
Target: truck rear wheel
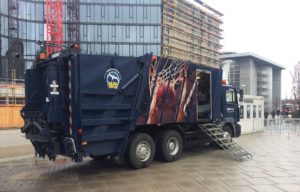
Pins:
x,y
169,146
140,150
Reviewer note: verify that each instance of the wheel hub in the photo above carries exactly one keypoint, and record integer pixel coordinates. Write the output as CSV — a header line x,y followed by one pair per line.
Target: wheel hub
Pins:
x,y
173,145
227,136
143,151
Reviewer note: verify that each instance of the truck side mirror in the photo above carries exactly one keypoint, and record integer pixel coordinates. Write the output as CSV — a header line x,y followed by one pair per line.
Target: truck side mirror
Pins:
x,y
241,95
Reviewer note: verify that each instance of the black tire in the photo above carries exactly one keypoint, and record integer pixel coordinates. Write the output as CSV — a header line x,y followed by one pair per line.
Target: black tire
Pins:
x,y
169,146
140,150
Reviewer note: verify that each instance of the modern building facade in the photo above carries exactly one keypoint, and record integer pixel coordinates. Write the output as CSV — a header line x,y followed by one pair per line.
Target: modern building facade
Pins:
x,y
256,75
173,28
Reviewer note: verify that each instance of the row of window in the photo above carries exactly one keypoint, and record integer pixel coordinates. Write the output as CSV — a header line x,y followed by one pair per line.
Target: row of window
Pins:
x,y
124,49
250,110
93,33
95,13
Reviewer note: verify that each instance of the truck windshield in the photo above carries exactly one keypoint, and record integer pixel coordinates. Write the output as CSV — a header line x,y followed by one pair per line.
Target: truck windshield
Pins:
x,y
230,97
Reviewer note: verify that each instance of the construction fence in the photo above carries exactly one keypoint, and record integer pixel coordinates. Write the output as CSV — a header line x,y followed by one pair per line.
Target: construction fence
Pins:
x,y
10,116
11,102
289,126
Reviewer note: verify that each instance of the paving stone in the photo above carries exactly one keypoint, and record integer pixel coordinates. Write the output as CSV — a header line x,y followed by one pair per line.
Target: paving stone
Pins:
x,y
231,181
260,181
275,167
256,174
266,188
278,173
284,180
289,187
240,189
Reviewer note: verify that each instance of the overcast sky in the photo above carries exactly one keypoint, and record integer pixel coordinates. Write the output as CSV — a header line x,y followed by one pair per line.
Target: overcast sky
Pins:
x,y
269,28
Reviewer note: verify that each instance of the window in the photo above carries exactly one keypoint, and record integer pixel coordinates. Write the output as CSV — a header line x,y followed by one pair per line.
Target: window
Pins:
x,y
254,111
131,12
145,12
103,48
84,30
230,98
259,111
99,30
242,111
127,31
113,33
130,50
103,11
88,11
248,111
141,31
117,15
155,32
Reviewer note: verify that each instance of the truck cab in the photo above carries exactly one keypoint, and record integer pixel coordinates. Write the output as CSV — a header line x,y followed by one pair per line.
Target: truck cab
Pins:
x,y
230,114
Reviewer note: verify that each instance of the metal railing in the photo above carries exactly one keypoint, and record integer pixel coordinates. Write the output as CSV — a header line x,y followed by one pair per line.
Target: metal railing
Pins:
x,y
282,126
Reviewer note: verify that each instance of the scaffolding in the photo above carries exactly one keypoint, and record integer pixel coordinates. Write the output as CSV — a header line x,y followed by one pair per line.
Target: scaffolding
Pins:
x,y
73,21
191,32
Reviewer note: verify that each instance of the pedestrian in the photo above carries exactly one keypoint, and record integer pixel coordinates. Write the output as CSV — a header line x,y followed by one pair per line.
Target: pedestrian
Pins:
x,y
273,114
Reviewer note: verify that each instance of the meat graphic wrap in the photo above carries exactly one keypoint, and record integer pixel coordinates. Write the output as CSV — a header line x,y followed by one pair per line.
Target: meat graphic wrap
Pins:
x,y
170,94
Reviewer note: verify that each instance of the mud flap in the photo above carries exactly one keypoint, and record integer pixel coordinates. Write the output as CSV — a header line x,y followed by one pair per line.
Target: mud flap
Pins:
x,y
70,149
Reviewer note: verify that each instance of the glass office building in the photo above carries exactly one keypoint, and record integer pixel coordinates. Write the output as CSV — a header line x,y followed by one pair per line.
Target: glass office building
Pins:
x,y
256,75
125,27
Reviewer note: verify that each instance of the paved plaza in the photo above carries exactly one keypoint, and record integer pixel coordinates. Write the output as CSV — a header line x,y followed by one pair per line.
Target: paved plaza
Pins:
x,y
274,167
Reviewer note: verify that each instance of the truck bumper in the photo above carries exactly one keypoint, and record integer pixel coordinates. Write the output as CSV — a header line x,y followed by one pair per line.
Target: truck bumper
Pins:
x,y
237,130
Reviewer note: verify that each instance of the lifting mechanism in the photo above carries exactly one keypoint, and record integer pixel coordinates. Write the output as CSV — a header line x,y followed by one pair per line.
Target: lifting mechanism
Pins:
x,y
218,136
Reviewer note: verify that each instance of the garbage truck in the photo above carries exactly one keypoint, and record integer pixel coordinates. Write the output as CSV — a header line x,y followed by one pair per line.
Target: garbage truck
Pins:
x,y
81,105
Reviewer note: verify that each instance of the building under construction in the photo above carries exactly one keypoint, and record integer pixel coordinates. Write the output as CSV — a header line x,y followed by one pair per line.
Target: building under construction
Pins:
x,y
191,32
173,28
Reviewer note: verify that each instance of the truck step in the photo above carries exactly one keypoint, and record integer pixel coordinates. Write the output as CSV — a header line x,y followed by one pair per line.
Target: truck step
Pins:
x,y
216,134
213,129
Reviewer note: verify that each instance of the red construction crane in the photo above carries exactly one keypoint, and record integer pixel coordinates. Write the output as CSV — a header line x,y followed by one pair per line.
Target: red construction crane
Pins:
x,y
54,22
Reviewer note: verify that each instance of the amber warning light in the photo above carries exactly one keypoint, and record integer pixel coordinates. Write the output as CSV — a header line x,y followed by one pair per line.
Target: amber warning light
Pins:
x,y
42,56
75,46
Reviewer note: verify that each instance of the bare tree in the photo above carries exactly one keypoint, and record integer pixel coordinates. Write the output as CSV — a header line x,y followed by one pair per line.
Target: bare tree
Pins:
x,y
296,82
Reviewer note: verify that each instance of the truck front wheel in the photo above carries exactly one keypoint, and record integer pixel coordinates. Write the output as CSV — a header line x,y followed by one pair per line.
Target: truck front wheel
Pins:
x,y
140,150
169,145
227,133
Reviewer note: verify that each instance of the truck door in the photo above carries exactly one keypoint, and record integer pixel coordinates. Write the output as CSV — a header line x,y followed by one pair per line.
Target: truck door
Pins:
x,y
230,106
204,106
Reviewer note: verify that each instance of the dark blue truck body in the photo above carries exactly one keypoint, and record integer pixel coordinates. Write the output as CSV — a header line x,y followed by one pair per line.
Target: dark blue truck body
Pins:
x,y
91,104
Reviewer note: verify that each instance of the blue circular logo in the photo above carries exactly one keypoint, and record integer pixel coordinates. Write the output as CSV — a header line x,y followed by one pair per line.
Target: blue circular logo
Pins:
x,y
112,77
